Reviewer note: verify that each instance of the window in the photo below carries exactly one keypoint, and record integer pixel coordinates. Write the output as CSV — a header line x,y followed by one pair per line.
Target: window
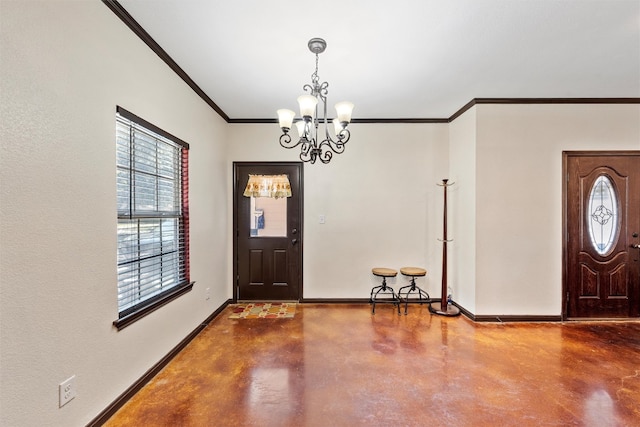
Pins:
x,y
603,215
153,221
268,217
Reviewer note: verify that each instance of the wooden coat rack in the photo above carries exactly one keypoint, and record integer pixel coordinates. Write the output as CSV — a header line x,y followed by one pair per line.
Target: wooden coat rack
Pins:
x,y
444,307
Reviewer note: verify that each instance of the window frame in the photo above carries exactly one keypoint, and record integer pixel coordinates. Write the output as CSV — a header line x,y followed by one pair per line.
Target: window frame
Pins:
x,y
142,308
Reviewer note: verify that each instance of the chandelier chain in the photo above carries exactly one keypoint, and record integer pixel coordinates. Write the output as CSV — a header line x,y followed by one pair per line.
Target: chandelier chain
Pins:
x,y
314,77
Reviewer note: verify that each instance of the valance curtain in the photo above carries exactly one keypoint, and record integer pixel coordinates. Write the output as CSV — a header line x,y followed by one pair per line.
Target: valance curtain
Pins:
x,y
274,186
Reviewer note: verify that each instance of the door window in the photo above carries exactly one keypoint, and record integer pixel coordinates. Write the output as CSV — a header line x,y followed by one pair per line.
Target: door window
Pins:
x,y
268,217
603,215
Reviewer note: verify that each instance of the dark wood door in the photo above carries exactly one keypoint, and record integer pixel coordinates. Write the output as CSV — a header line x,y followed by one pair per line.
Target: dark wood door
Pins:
x,y
602,227
268,236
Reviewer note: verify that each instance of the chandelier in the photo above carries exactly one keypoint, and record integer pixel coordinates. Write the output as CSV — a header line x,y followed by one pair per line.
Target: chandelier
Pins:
x,y
310,132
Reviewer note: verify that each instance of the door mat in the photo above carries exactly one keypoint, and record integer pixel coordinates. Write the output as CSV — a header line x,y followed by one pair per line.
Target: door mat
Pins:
x,y
263,310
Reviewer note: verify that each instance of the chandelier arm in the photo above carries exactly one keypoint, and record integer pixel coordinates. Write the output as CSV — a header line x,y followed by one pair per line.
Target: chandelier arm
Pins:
x,y
336,146
323,91
308,156
307,151
316,122
324,154
308,134
309,88
324,105
344,136
285,139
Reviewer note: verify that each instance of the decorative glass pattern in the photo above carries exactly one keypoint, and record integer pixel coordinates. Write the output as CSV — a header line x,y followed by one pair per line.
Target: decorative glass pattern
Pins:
x,y
603,215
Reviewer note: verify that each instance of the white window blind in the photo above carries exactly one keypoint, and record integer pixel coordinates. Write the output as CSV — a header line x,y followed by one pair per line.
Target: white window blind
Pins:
x,y
152,234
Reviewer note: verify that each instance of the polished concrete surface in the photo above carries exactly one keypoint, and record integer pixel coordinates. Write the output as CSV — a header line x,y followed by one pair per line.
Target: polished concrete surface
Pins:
x,y
338,365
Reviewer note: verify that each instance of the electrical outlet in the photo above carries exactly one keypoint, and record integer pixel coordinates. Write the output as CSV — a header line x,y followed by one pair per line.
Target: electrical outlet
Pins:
x,y
67,390
322,219
207,293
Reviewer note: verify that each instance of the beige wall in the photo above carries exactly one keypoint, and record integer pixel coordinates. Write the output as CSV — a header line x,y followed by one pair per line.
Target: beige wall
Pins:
x,y
519,196
379,198
65,66
461,211
506,203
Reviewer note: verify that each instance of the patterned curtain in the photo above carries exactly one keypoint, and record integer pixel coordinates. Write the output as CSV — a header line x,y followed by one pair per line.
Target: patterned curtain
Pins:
x,y
274,186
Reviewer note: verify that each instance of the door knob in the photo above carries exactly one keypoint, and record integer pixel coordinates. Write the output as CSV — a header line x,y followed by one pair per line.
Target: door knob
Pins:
x,y
294,241
637,246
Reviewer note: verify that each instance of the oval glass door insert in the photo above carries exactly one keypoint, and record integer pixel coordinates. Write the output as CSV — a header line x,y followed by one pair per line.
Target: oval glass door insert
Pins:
x,y
603,215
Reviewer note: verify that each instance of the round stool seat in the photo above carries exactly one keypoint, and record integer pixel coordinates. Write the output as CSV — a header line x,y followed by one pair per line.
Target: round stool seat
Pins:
x,y
413,271
384,272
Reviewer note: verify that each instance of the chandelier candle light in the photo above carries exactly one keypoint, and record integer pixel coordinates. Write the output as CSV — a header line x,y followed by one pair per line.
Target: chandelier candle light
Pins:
x,y
311,147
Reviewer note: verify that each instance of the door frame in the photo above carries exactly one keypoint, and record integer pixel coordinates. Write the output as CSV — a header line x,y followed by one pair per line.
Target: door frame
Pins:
x,y
565,225
236,196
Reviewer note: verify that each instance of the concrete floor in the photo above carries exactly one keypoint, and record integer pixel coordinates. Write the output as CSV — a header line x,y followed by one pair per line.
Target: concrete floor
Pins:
x,y
338,365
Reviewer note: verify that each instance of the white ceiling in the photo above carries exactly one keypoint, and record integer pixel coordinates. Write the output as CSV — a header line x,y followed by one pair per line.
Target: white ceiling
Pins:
x,y
398,59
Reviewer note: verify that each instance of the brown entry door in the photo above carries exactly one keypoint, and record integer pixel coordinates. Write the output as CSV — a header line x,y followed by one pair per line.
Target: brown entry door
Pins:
x,y
602,225
268,243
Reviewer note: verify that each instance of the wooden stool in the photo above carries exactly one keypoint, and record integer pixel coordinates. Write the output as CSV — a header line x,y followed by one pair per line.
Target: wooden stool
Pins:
x,y
383,288
412,272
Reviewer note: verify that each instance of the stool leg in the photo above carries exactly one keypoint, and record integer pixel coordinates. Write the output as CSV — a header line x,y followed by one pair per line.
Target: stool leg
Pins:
x,y
383,288
406,301
412,287
380,288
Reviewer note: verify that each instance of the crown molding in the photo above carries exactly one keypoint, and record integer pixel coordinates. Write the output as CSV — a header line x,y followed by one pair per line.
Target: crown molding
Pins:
x,y
121,13
476,101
